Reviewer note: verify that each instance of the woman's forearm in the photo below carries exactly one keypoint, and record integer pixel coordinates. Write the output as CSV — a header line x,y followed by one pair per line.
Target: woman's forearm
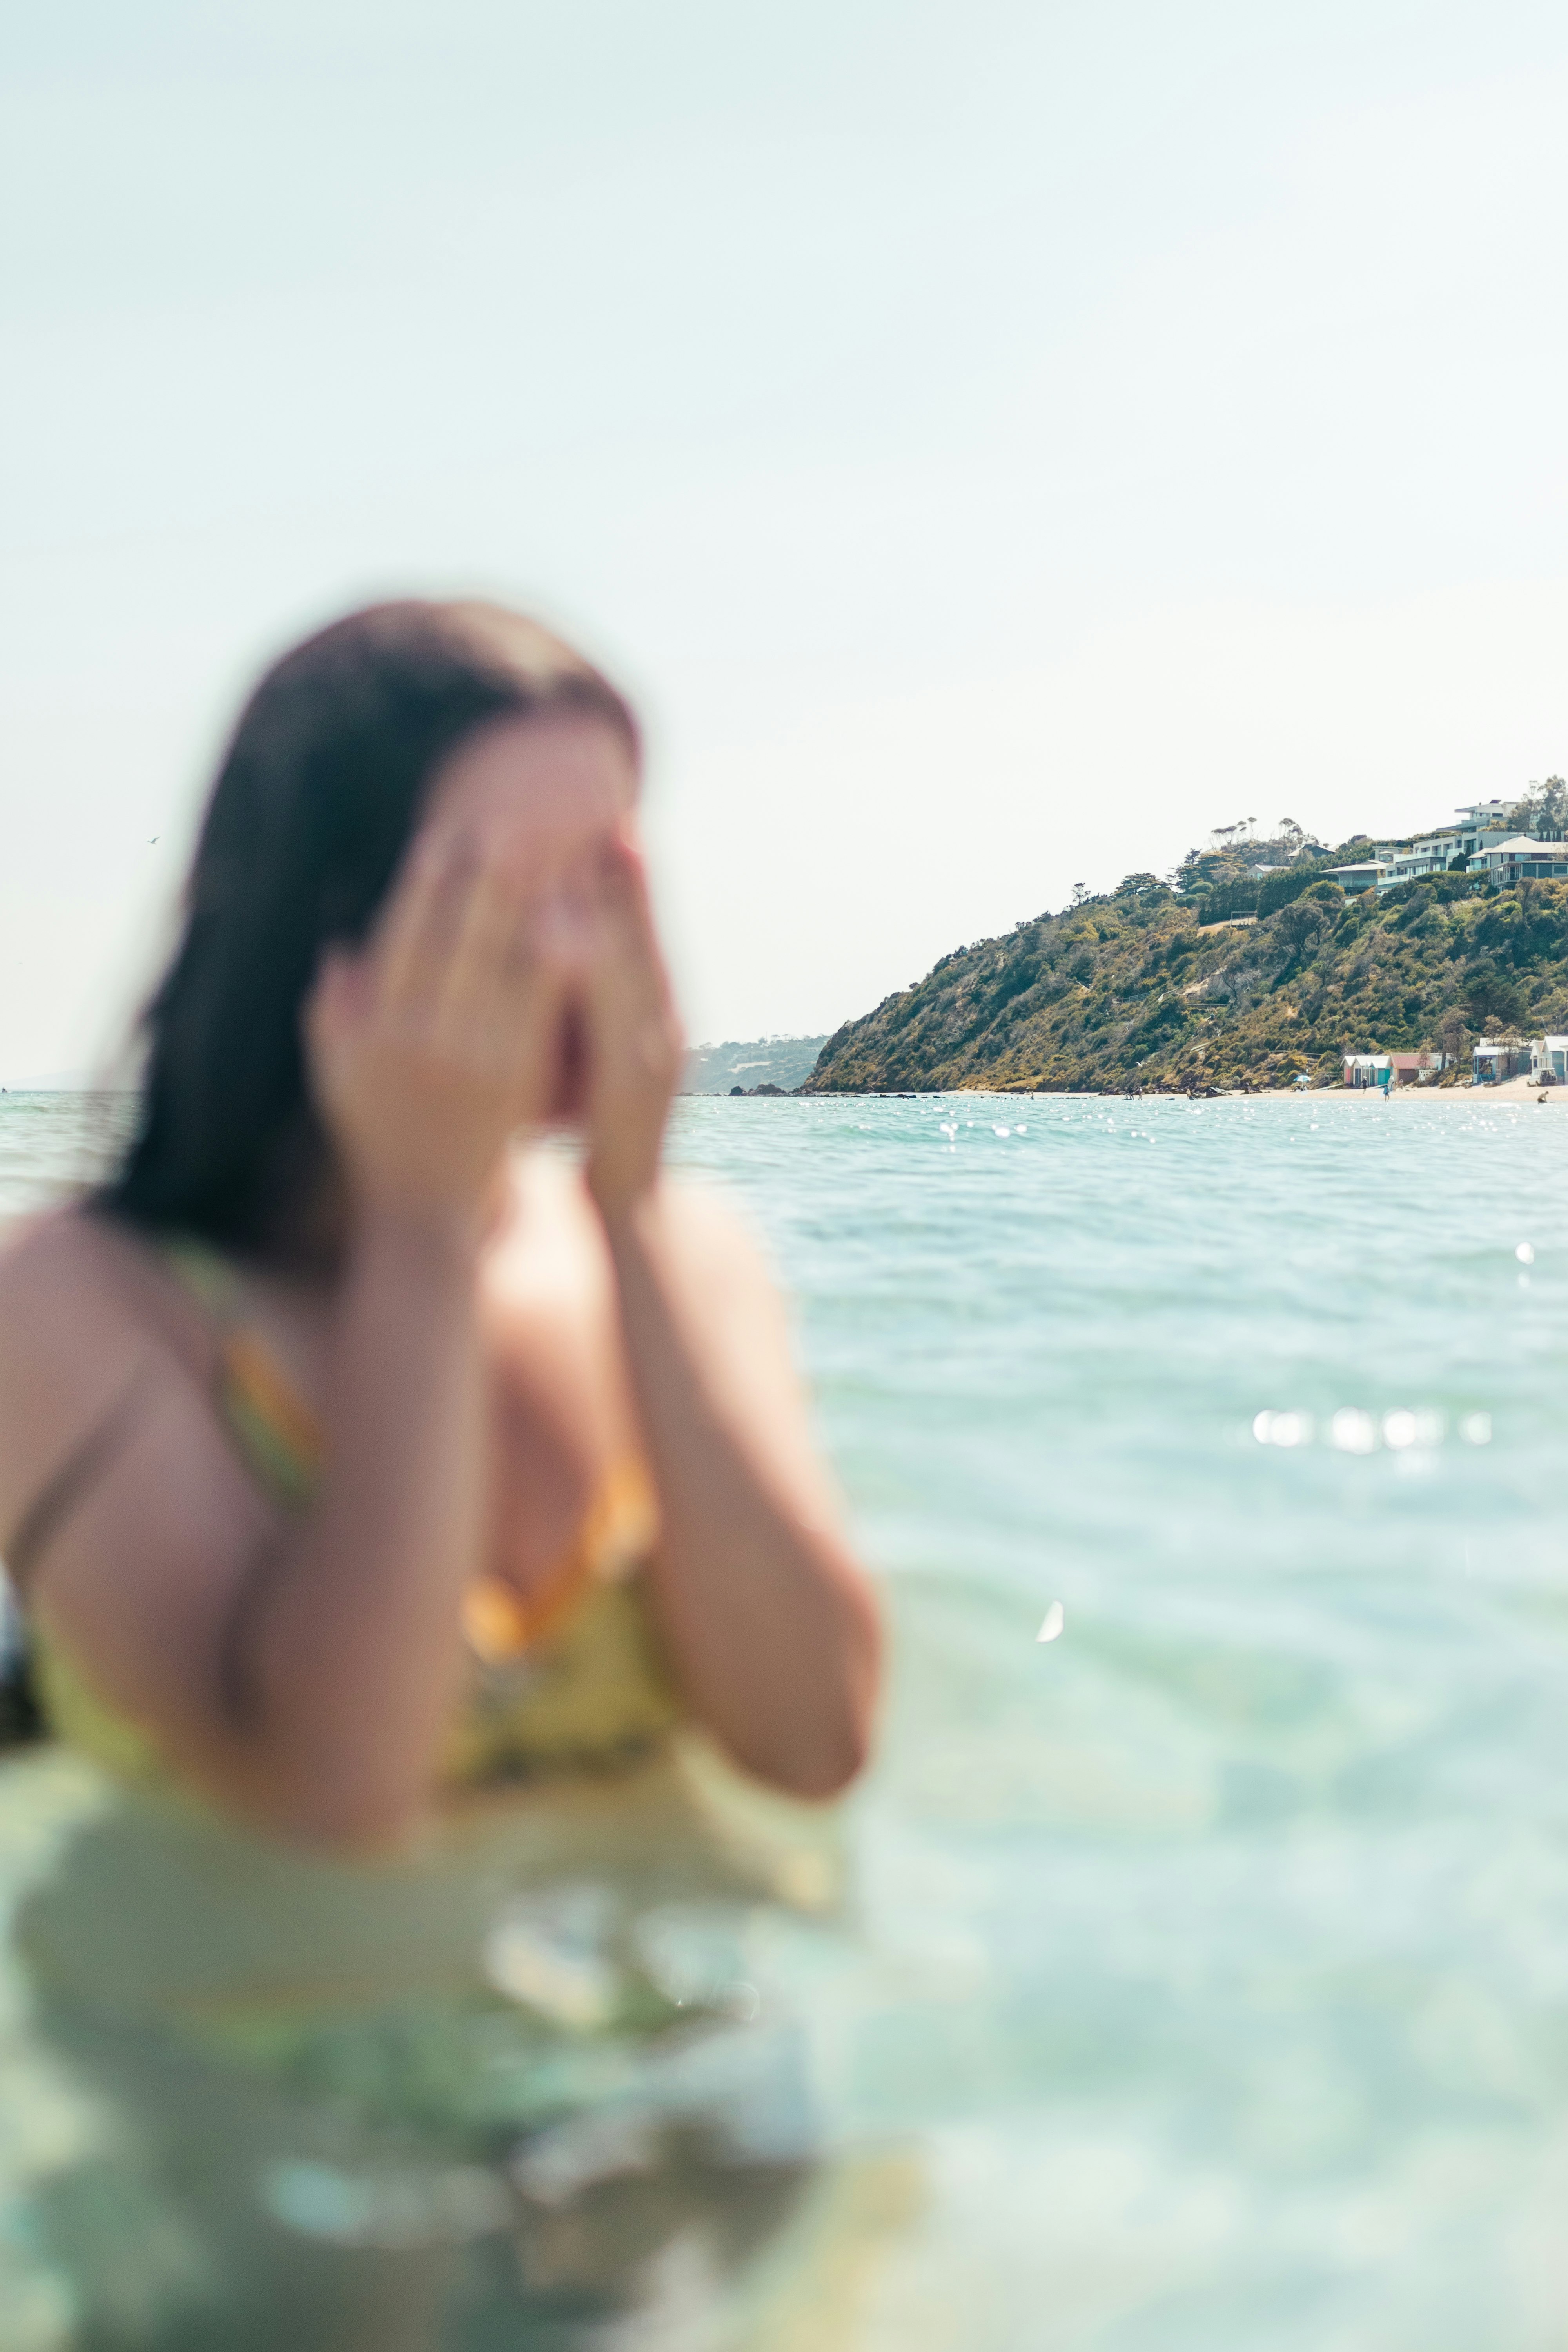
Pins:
x,y
348,1648
768,1622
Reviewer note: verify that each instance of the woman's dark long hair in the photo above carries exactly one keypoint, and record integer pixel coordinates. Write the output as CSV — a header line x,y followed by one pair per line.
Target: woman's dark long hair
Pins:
x,y
318,795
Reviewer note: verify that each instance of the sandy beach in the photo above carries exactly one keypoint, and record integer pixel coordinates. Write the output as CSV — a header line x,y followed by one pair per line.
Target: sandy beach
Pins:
x,y
1504,1090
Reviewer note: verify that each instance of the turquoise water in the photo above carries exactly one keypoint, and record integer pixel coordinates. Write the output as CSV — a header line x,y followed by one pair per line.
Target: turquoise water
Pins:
x,y
50,1143
1210,1984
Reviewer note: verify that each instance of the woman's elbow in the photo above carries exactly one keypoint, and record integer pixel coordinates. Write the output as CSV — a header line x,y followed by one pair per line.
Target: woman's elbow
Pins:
x,y
829,1768
843,1751
823,1750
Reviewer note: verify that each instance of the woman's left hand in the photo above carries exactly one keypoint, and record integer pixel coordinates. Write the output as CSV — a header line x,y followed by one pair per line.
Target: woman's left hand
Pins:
x,y
632,1040
763,1614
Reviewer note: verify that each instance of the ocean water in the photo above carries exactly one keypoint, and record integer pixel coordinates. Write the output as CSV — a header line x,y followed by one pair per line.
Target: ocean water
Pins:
x,y
1209,1989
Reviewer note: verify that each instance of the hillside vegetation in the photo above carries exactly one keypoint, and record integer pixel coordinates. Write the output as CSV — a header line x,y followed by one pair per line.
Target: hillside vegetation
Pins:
x,y
1138,989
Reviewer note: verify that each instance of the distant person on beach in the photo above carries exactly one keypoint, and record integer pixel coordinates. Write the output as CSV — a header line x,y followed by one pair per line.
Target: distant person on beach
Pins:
x,y
408,1512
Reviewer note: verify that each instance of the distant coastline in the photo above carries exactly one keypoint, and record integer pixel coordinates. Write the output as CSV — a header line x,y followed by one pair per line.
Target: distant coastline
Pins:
x,y
65,1082
784,1063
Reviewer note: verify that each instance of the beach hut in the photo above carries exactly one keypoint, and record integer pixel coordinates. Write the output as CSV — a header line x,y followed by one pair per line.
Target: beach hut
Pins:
x,y
1493,1059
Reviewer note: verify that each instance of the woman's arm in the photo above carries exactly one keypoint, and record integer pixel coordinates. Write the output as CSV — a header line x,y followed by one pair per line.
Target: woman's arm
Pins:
x,y
343,1652
306,1672
297,1670
769,1621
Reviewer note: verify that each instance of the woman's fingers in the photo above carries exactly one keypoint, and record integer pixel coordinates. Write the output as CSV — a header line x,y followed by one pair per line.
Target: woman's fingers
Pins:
x,y
452,962
633,1038
416,938
488,948
635,967
630,956
503,998
339,999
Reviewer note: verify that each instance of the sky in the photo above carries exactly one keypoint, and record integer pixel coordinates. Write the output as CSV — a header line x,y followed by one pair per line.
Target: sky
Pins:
x,y
995,443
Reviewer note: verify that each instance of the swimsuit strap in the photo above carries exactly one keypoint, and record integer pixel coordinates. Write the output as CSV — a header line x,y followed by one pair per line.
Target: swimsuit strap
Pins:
x,y
278,1435
283,1441
203,1272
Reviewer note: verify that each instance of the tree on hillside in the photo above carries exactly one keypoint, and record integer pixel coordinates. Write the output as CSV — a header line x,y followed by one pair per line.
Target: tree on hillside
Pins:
x,y
1453,1036
1493,999
1143,890
1308,916
1544,811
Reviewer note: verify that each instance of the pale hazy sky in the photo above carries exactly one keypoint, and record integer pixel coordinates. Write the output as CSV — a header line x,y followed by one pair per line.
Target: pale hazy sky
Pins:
x,y
997,442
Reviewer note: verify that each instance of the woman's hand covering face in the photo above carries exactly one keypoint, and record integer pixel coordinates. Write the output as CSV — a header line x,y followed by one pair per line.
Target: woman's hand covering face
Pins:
x,y
621,1048
632,1041
431,1045
500,991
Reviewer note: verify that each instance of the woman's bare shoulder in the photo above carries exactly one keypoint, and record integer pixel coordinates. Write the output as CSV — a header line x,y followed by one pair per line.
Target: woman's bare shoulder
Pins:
x,y
48,1263
65,1266
81,1303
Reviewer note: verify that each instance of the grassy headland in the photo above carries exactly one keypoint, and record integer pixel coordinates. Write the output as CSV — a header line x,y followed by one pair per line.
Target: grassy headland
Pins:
x,y
1228,979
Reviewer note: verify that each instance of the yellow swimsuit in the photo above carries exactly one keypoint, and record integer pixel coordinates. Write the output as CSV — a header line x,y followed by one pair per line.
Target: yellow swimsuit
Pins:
x,y
568,1679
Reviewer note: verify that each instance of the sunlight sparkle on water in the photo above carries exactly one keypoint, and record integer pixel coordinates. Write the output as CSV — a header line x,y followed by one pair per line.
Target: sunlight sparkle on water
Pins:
x,y
1285,1429
1353,1431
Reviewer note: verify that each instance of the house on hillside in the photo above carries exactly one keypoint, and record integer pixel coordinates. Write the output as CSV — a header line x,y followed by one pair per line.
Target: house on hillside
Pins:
x,y
1389,863
1409,864
1520,858
1484,823
1487,844
1437,851
1363,873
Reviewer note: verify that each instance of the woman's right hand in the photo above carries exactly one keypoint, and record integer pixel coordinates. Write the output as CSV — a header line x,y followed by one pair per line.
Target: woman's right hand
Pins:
x,y
429,1045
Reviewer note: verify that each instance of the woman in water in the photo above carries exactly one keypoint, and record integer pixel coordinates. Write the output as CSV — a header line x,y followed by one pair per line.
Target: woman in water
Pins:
x,y
419,1523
